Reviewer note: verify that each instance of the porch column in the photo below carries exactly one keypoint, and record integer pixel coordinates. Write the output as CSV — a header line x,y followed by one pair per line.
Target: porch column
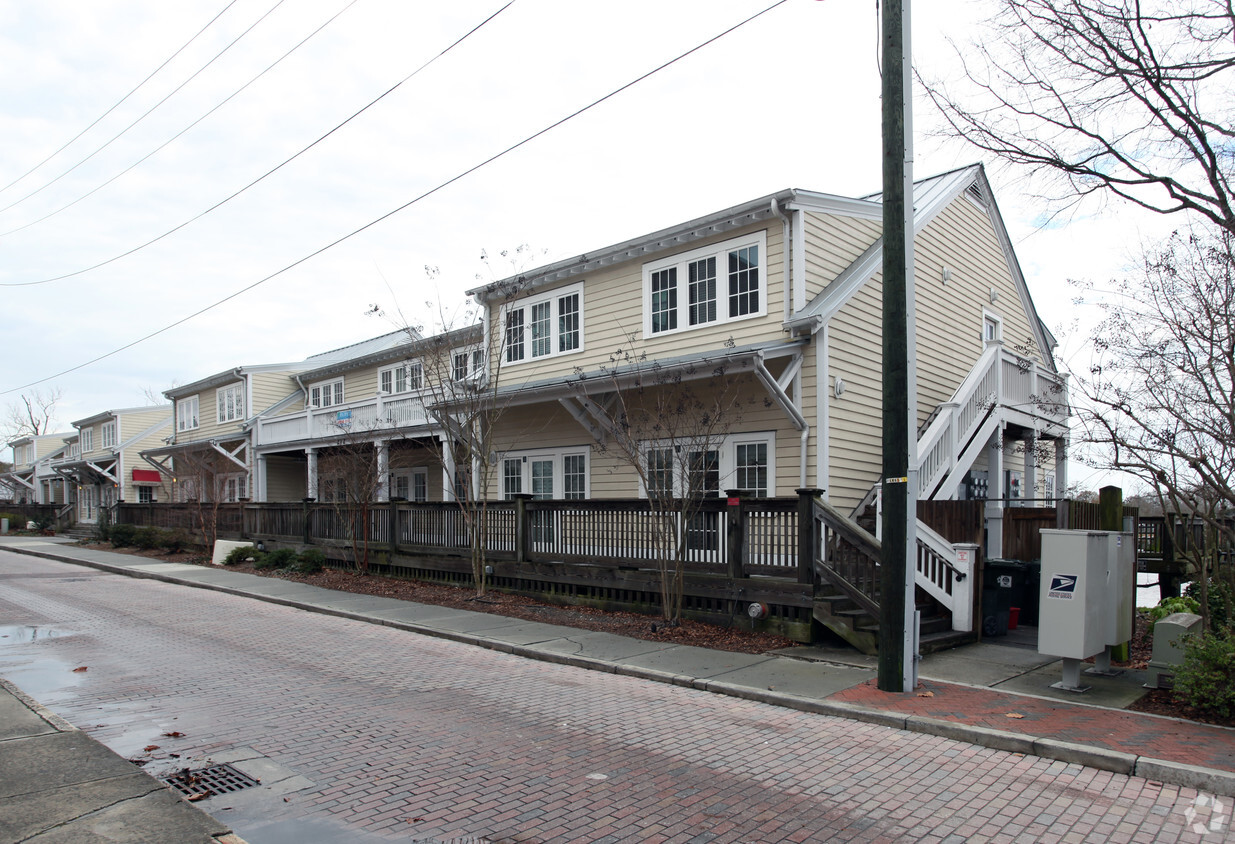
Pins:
x,y
1061,467
311,479
448,469
259,478
383,468
995,493
1031,466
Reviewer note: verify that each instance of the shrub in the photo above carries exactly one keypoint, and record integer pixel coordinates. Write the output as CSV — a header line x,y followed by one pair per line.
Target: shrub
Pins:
x,y
1206,680
1170,606
236,556
176,541
280,558
103,532
121,535
44,521
148,538
1221,604
312,560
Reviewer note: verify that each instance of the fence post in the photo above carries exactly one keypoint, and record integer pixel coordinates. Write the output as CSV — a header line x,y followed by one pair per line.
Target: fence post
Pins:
x,y
807,534
394,525
735,533
963,586
308,514
522,533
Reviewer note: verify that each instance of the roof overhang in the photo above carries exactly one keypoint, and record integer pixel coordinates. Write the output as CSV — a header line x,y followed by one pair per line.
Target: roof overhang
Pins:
x,y
415,348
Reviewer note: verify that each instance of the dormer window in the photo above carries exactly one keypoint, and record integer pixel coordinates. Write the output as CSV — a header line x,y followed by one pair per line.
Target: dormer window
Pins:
x,y
326,393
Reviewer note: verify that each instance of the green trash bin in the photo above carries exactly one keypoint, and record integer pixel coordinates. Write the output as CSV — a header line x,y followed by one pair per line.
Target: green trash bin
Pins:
x,y
1033,593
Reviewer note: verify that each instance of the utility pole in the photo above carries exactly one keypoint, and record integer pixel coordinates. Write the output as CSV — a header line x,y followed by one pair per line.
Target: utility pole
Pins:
x,y
897,617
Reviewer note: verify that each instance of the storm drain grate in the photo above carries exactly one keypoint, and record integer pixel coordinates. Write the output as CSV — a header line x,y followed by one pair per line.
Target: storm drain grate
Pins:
x,y
207,782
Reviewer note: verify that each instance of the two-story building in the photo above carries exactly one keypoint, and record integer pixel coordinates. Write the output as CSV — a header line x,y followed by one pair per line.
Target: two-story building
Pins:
x,y
31,478
779,299
102,464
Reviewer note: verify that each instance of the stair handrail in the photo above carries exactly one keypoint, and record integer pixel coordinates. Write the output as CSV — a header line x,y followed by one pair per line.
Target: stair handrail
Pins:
x,y
942,575
846,556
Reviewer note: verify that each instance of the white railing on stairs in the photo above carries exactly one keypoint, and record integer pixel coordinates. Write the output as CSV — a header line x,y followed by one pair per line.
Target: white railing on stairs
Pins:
x,y
999,379
945,572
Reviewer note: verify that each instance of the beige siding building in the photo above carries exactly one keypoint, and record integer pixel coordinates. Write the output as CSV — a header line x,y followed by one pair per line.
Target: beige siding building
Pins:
x,y
768,315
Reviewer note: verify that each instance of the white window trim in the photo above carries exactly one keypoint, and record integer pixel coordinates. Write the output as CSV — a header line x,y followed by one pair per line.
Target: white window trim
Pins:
x,y
681,260
526,306
557,455
321,387
990,317
107,434
727,446
183,418
86,438
237,410
393,370
411,474
475,362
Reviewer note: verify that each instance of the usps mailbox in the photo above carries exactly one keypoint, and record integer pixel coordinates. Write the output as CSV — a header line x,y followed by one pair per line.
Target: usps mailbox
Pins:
x,y
1086,596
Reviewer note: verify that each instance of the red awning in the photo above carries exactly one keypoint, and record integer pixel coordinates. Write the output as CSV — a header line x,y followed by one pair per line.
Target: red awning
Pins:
x,y
146,476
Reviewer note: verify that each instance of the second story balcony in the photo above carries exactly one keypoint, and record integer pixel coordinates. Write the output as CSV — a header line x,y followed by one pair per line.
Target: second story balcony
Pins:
x,y
373,416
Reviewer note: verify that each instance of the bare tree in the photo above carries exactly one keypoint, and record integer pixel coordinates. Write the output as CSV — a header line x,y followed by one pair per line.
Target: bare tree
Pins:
x,y
350,480
668,424
32,415
1112,97
206,481
1160,393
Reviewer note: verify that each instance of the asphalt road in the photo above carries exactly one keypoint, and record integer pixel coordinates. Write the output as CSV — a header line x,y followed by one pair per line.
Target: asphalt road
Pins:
x,y
375,734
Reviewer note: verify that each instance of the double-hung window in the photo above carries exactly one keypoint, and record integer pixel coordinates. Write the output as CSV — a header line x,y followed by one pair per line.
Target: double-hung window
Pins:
x,y
230,403
543,326
87,440
108,433
186,414
403,378
465,363
326,394
706,286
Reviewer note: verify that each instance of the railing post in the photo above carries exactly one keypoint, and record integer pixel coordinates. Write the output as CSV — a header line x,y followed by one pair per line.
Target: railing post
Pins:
x,y
966,555
523,534
394,525
807,534
735,533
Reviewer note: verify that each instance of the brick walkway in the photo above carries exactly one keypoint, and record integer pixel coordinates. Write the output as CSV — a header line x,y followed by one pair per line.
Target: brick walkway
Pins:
x,y
1128,732
412,737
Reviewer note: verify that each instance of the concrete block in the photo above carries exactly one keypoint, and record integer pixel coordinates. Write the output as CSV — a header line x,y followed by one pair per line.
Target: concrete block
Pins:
x,y
223,547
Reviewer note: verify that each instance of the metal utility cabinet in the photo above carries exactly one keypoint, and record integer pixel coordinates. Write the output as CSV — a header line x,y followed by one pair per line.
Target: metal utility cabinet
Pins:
x,y
1086,596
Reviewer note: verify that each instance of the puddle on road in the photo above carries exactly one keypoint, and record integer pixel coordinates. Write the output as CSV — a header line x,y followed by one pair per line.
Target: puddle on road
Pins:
x,y
26,633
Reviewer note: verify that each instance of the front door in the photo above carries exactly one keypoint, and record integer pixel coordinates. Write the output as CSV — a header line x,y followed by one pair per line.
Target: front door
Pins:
x,y
88,506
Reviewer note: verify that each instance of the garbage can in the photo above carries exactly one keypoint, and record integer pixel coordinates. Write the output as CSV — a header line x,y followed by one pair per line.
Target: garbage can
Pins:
x,y
1007,578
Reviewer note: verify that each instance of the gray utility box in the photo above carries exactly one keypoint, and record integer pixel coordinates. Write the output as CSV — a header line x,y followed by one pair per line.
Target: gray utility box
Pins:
x,y
1086,593
1169,635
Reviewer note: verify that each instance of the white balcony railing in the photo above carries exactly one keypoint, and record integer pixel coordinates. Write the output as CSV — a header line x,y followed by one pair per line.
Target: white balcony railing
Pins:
x,y
1000,379
360,418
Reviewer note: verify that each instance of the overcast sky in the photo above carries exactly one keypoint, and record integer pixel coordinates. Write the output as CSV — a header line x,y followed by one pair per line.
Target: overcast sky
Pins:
x,y
790,99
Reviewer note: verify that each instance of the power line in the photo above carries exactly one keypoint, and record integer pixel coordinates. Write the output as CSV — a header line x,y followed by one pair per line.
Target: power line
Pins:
x,y
120,101
164,145
147,113
407,204
270,172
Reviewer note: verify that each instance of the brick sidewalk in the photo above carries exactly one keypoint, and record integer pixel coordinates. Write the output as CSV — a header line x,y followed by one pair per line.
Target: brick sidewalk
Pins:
x,y
1115,729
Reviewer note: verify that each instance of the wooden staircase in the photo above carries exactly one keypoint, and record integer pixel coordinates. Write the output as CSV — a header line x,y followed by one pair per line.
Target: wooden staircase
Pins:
x,y
846,559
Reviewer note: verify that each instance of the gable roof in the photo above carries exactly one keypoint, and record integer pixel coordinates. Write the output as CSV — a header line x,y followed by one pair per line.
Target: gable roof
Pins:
x,y
930,197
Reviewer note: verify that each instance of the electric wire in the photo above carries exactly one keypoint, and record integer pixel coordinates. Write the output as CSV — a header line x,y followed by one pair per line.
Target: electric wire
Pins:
x,y
269,172
164,145
120,101
147,113
402,207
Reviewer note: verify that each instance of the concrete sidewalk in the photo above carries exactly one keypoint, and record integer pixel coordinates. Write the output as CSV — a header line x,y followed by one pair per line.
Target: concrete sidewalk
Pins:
x,y
991,695
59,786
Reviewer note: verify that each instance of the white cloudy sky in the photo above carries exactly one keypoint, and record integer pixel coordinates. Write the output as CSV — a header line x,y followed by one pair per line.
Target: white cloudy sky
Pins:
x,y
789,100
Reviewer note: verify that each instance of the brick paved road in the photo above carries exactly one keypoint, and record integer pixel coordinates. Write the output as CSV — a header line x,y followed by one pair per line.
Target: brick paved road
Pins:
x,y
411,737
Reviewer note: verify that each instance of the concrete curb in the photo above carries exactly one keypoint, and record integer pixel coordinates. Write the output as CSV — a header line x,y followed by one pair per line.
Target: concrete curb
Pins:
x,y
39,709
1158,770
